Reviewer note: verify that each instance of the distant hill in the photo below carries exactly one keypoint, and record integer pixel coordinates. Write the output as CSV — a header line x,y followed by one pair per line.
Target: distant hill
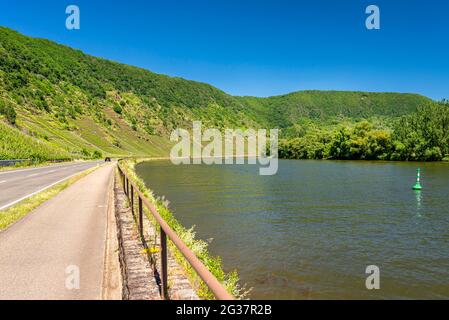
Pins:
x,y
284,111
79,104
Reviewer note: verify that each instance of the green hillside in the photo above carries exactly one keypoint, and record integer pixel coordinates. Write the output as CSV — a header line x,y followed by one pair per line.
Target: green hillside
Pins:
x,y
285,111
83,106
17,145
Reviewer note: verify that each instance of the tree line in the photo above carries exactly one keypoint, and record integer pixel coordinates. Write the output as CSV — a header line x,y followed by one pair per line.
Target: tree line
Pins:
x,y
420,136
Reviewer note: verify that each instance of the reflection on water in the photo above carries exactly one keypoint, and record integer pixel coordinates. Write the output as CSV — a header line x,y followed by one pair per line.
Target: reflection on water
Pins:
x,y
310,231
418,202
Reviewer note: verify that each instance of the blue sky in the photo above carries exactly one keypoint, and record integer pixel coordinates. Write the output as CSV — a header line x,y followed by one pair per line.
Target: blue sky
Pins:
x,y
260,48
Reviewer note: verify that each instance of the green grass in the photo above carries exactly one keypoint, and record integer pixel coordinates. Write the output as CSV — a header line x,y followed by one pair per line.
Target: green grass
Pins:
x,y
20,210
16,145
28,164
199,247
85,134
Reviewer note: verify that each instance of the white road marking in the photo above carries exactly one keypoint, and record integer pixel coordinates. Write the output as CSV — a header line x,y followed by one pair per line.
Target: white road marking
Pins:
x,y
36,192
62,166
24,170
3,181
41,173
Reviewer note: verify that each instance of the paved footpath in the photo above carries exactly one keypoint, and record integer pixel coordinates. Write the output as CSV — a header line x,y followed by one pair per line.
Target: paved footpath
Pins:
x,y
40,256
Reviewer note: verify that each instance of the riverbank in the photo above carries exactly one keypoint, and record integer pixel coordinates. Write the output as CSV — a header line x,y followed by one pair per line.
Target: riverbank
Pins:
x,y
188,236
139,256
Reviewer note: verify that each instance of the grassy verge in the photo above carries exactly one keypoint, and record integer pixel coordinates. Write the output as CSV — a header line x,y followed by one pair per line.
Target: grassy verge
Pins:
x,y
34,164
18,211
199,247
30,164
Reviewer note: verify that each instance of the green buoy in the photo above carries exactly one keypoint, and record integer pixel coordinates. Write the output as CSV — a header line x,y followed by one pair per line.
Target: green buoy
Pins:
x,y
418,186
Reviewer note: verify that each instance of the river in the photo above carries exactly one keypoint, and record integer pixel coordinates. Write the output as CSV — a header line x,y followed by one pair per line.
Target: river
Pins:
x,y
310,231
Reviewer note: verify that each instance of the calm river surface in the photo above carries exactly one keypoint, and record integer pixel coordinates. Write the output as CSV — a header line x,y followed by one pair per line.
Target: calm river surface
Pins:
x,y
310,231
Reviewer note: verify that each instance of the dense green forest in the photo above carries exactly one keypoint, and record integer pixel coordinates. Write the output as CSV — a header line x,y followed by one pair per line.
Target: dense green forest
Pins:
x,y
420,136
327,107
79,106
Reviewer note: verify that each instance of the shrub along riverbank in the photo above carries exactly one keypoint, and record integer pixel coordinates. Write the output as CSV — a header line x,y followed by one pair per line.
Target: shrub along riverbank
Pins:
x,y
419,136
199,247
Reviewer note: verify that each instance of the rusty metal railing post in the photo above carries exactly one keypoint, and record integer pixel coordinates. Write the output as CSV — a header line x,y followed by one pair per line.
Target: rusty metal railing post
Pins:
x,y
164,276
132,200
127,187
124,179
140,217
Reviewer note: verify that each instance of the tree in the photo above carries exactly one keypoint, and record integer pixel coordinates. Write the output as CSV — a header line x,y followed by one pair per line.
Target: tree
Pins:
x,y
423,135
97,154
8,111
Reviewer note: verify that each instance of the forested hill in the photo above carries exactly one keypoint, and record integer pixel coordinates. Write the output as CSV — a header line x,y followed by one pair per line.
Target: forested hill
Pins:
x,y
81,106
284,111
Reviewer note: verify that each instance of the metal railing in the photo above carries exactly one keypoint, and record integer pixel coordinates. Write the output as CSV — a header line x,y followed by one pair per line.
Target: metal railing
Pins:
x,y
132,191
7,163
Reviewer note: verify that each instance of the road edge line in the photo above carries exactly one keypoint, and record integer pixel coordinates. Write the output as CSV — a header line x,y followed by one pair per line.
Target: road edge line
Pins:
x,y
111,281
56,165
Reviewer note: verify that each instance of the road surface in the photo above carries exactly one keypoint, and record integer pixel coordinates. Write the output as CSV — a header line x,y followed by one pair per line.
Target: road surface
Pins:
x,y
57,251
18,185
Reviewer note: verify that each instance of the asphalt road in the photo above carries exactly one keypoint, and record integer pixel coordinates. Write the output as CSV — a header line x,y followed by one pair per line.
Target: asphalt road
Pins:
x,y
18,185
57,251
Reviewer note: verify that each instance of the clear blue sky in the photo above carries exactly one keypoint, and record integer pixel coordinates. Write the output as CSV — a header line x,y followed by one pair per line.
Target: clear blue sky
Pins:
x,y
257,47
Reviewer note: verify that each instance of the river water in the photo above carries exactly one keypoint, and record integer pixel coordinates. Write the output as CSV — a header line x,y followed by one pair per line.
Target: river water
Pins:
x,y
310,231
